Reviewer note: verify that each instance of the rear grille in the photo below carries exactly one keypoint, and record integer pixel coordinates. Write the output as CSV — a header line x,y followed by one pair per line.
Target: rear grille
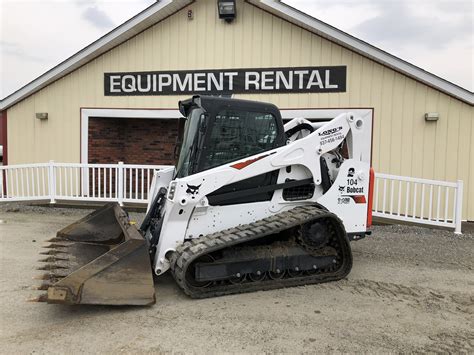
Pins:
x,y
297,193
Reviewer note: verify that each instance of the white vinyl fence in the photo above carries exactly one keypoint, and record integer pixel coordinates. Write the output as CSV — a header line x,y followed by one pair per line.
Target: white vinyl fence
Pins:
x,y
398,198
423,201
77,182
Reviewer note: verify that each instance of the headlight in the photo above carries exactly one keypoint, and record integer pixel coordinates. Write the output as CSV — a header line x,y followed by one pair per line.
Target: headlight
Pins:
x,y
172,190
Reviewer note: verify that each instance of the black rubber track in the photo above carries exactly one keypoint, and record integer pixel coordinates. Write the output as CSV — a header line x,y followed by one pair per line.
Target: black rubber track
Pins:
x,y
195,248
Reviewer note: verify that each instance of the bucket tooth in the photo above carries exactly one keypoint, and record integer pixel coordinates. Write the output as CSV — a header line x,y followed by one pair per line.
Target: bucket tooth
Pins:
x,y
52,252
55,246
52,259
44,286
57,239
41,298
53,276
51,267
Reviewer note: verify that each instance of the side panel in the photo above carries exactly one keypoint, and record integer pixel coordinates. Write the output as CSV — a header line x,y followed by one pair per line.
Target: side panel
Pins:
x,y
349,195
210,219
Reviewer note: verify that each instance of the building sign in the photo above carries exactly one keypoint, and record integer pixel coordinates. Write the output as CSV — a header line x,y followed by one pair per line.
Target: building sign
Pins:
x,y
227,81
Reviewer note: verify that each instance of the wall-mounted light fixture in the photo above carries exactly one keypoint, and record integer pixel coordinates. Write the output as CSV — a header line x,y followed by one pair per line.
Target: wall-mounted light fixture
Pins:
x,y
431,116
226,9
42,115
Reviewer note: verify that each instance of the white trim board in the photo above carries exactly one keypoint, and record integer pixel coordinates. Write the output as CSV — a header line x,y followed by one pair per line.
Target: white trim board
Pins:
x,y
86,113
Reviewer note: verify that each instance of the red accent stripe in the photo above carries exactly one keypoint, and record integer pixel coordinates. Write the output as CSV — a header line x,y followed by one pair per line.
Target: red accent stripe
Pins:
x,y
359,199
371,197
243,164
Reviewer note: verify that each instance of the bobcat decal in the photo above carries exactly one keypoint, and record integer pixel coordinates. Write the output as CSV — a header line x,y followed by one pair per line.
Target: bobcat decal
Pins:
x,y
193,190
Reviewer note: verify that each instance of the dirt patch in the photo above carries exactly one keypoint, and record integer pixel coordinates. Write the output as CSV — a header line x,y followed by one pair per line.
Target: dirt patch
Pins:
x,y
410,290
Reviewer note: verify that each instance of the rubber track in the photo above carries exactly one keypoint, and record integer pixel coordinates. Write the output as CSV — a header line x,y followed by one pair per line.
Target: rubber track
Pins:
x,y
195,248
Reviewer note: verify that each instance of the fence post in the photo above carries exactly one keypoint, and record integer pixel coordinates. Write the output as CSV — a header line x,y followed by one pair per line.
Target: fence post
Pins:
x,y
85,179
120,183
458,210
52,182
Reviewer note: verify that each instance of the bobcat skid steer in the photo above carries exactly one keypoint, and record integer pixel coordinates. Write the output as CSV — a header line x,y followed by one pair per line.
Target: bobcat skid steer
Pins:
x,y
252,204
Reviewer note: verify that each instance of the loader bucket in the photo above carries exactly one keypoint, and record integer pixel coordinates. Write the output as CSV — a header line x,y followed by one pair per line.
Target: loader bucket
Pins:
x,y
100,259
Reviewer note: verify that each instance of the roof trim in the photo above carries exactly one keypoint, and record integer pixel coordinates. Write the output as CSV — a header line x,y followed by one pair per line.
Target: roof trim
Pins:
x,y
130,28
165,8
301,19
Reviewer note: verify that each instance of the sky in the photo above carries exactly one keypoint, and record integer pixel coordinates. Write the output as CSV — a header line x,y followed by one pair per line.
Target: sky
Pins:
x,y
436,35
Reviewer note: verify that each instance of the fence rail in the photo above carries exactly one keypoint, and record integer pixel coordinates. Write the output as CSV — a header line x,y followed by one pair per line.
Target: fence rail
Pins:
x,y
421,201
398,198
77,182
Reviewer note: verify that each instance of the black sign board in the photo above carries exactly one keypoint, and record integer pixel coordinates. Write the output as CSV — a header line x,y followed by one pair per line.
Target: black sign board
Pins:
x,y
227,81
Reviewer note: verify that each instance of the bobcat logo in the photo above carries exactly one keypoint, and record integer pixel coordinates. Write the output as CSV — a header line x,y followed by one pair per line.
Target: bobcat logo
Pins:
x,y
341,188
193,190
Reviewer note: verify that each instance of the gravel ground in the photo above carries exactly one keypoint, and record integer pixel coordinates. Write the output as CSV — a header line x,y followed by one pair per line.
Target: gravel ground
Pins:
x,y
410,290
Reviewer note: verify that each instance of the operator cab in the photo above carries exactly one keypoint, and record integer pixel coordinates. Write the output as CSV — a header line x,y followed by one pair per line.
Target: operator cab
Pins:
x,y
216,131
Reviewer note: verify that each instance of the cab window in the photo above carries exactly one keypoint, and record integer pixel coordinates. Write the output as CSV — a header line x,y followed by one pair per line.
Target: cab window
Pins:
x,y
239,134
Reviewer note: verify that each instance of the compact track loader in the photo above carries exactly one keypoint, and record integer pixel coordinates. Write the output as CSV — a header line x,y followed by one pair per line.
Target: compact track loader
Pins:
x,y
252,204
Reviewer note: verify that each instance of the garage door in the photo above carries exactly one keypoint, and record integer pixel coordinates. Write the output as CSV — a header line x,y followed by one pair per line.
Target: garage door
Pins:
x,y
131,140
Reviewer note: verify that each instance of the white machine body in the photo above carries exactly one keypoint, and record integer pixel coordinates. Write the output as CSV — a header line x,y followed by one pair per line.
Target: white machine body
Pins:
x,y
188,214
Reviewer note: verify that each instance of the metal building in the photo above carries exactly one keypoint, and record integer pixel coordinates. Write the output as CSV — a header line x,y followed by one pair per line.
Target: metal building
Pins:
x,y
117,98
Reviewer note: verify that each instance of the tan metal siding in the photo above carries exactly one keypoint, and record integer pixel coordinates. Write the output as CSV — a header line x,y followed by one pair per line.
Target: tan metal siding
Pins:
x,y
403,142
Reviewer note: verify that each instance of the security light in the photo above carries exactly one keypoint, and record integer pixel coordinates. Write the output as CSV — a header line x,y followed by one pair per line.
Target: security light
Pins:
x,y
42,115
431,116
226,9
